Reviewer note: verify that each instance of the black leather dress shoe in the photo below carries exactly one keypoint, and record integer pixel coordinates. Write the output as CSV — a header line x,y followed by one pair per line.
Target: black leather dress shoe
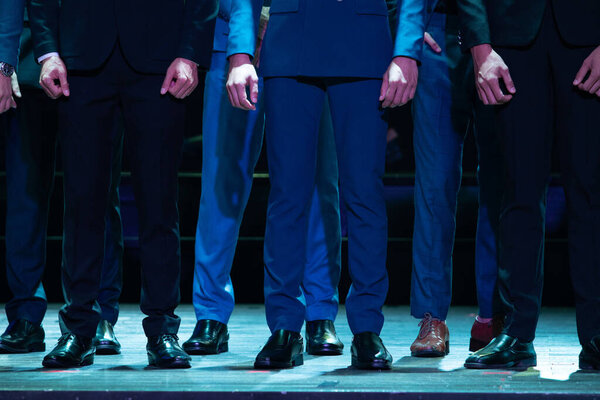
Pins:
x,y
368,352
321,339
105,341
165,352
71,351
22,336
589,358
282,350
504,352
209,337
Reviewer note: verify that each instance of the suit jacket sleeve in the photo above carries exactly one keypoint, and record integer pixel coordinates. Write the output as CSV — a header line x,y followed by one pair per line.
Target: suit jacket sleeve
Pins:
x,y
11,25
410,28
474,25
43,18
198,31
243,26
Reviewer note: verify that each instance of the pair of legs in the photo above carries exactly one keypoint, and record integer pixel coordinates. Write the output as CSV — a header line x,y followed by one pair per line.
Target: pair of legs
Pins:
x,y
232,141
154,129
293,108
31,143
546,105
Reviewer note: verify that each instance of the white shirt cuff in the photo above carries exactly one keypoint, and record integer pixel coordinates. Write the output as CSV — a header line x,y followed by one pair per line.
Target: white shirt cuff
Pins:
x,y
45,56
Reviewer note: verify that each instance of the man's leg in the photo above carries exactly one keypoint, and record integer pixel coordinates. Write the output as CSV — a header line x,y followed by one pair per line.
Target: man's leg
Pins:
x,y
154,125
112,269
439,129
86,121
293,110
360,134
323,251
577,126
30,158
490,320
231,144
525,125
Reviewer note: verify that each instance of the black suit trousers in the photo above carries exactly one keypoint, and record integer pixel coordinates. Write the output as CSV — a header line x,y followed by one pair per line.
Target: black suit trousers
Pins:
x,y
547,104
154,137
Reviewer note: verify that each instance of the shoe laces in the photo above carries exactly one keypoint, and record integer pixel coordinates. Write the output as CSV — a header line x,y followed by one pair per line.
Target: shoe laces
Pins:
x,y
65,338
169,337
427,325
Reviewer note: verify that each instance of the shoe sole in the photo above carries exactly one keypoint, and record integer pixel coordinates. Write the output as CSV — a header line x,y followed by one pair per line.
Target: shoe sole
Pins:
x,y
206,350
107,350
431,353
176,363
475,344
513,365
324,351
296,361
33,348
373,364
56,363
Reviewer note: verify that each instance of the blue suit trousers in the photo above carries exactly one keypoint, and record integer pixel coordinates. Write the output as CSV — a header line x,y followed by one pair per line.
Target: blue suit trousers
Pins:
x,y
293,109
443,107
232,141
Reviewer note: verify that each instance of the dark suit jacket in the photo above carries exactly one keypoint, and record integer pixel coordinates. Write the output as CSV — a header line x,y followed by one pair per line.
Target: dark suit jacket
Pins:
x,y
515,23
152,33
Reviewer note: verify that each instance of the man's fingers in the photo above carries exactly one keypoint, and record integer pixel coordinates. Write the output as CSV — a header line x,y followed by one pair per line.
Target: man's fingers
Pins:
x,y
595,87
229,90
12,103
483,93
15,86
190,89
52,89
176,86
243,98
499,96
234,97
254,90
589,82
585,67
167,82
397,99
508,82
64,84
384,87
389,96
432,43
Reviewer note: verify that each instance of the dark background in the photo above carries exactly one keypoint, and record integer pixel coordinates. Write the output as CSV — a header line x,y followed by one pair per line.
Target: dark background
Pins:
x,y
247,271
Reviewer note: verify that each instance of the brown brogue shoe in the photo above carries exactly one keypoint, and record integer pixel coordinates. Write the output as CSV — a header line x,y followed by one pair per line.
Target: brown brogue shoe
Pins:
x,y
433,339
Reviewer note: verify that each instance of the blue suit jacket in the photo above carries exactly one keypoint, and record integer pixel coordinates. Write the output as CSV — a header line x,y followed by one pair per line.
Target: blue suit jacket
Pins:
x,y
11,25
328,38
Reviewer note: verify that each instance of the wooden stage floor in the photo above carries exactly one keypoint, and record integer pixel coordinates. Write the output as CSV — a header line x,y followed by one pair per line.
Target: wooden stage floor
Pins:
x,y
231,375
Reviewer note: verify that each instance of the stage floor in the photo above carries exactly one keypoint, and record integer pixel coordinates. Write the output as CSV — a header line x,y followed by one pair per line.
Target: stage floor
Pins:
x,y
231,375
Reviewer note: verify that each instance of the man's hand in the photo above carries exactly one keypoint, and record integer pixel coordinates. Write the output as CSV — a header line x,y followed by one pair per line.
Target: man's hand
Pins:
x,y
181,78
242,75
53,77
399,82
588,76
432,43
9,88
489,69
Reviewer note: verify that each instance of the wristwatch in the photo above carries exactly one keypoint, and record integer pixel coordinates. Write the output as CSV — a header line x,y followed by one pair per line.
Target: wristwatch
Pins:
x,y
6,69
